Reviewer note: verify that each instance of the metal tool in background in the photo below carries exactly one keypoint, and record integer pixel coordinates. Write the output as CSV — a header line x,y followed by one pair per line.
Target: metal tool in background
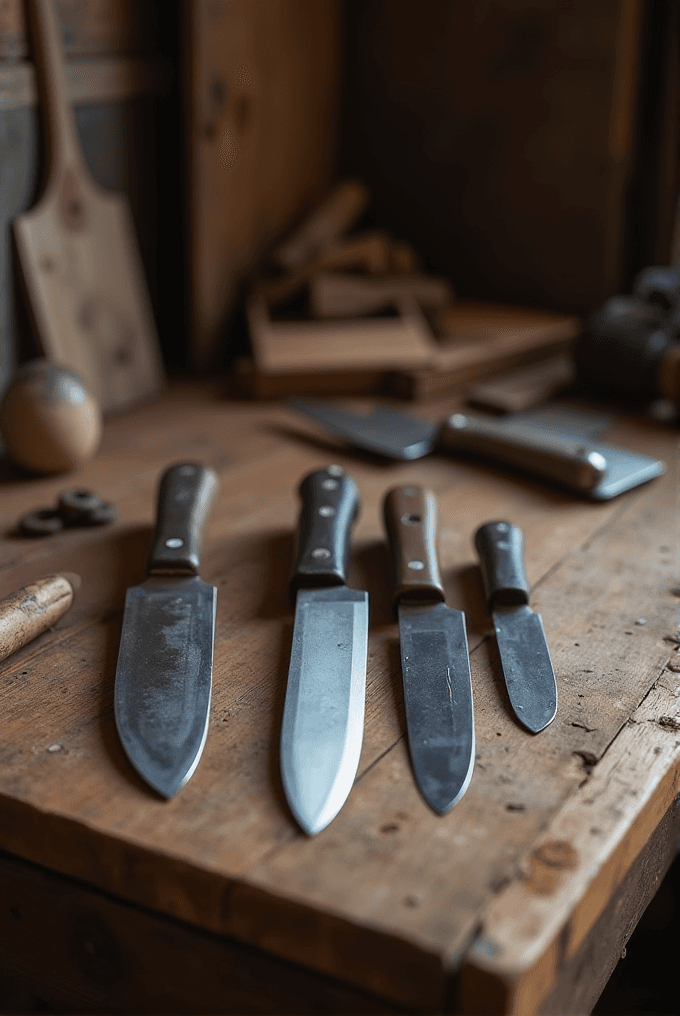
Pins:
x,y
591,468
75,507
323,718
164,673
527,668
434,653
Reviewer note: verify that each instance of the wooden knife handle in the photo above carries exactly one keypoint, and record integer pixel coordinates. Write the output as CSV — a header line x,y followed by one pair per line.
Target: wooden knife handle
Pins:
x,y
500,547
185,497
33,609
411,524
330,504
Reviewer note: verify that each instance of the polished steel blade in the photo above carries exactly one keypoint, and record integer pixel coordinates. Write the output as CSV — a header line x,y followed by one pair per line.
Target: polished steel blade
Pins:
x,y
438,699
323,717
164,678
528,671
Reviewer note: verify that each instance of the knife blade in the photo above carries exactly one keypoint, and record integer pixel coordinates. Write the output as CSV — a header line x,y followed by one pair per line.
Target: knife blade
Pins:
x,y
434,653
578,462
323,717
527,668
165,661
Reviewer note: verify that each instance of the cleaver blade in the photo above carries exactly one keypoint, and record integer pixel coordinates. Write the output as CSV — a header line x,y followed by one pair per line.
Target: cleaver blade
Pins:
x,y
165,661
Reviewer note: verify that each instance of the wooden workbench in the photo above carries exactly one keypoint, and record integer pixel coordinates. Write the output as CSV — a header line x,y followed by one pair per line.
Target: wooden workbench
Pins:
x,y
520,899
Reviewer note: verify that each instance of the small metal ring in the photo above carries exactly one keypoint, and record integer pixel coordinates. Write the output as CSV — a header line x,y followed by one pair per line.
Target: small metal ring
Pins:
x,y
41,522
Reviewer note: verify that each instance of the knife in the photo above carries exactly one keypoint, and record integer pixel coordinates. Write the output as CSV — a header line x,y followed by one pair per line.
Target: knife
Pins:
x,y
323,717
596,470
434,654
528,671
165,661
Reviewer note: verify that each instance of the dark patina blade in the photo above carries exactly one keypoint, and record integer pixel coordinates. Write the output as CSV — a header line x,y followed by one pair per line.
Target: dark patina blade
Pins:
x,y
438,700
164,678
528,670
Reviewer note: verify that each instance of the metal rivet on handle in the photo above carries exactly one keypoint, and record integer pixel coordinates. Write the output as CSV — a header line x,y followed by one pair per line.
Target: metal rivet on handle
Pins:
x,y
335,471
326,511
416,565
330,484
174,543
320,553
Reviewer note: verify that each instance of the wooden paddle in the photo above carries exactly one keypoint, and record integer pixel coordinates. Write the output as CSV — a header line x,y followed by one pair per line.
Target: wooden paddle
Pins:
x,y
78,254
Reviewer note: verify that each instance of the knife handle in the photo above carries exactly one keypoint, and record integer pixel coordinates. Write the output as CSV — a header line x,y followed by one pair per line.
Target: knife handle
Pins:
x,y
560,457
411,524
330,504
185,496
500,546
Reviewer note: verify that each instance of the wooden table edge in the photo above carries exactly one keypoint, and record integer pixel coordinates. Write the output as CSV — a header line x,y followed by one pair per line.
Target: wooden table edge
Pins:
x,y
531,931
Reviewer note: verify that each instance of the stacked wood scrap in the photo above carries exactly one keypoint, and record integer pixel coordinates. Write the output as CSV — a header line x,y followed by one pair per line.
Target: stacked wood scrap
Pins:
x,y
341,312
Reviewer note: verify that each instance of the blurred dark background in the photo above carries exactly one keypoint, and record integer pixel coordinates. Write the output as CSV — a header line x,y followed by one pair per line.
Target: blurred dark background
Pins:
x,y
529,152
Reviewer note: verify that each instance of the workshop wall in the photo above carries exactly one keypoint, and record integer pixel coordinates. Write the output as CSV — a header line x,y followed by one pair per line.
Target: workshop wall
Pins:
x,y
513,141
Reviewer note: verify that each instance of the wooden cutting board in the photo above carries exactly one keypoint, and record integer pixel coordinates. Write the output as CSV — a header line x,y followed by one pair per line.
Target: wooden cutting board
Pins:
x,y
78,254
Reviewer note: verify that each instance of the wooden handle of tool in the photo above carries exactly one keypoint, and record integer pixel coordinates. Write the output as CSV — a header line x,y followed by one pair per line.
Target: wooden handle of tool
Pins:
x,y
63,148
33,609
185,496
411,524
330,505
500,546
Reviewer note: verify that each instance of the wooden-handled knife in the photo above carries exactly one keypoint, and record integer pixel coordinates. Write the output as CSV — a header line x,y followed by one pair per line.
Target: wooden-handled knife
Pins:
x,y
527,668
323,718
434,653
165,661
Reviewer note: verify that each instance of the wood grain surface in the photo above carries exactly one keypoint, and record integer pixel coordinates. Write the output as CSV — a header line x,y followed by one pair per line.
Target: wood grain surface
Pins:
x,y
262,100
389,898
77,254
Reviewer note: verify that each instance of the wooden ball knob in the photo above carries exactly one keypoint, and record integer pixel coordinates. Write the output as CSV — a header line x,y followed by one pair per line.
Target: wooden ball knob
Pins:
x,y
48,419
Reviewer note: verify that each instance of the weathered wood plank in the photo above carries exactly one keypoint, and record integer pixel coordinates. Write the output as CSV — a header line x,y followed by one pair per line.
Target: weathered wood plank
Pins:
x,y
536,928
389,896
100,955
92,29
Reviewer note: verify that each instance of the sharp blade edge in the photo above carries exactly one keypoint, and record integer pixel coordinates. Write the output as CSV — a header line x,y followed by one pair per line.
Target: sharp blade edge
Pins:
x,y
164,678
527,667
323,717
438,699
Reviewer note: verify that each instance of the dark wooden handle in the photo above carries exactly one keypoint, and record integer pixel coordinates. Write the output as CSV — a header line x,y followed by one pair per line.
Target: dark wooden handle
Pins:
x,y
185,496
411,524
500,546
330,504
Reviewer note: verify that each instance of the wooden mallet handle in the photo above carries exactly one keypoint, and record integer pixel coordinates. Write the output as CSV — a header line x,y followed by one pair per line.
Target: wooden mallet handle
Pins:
x,y
33,609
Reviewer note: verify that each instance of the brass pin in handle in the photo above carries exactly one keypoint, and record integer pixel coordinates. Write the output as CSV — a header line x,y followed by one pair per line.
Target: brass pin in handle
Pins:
x,y
33,609
411,524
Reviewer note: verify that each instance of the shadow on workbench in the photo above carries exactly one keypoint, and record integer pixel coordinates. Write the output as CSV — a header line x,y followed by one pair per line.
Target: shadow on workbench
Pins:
x,y
644,982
